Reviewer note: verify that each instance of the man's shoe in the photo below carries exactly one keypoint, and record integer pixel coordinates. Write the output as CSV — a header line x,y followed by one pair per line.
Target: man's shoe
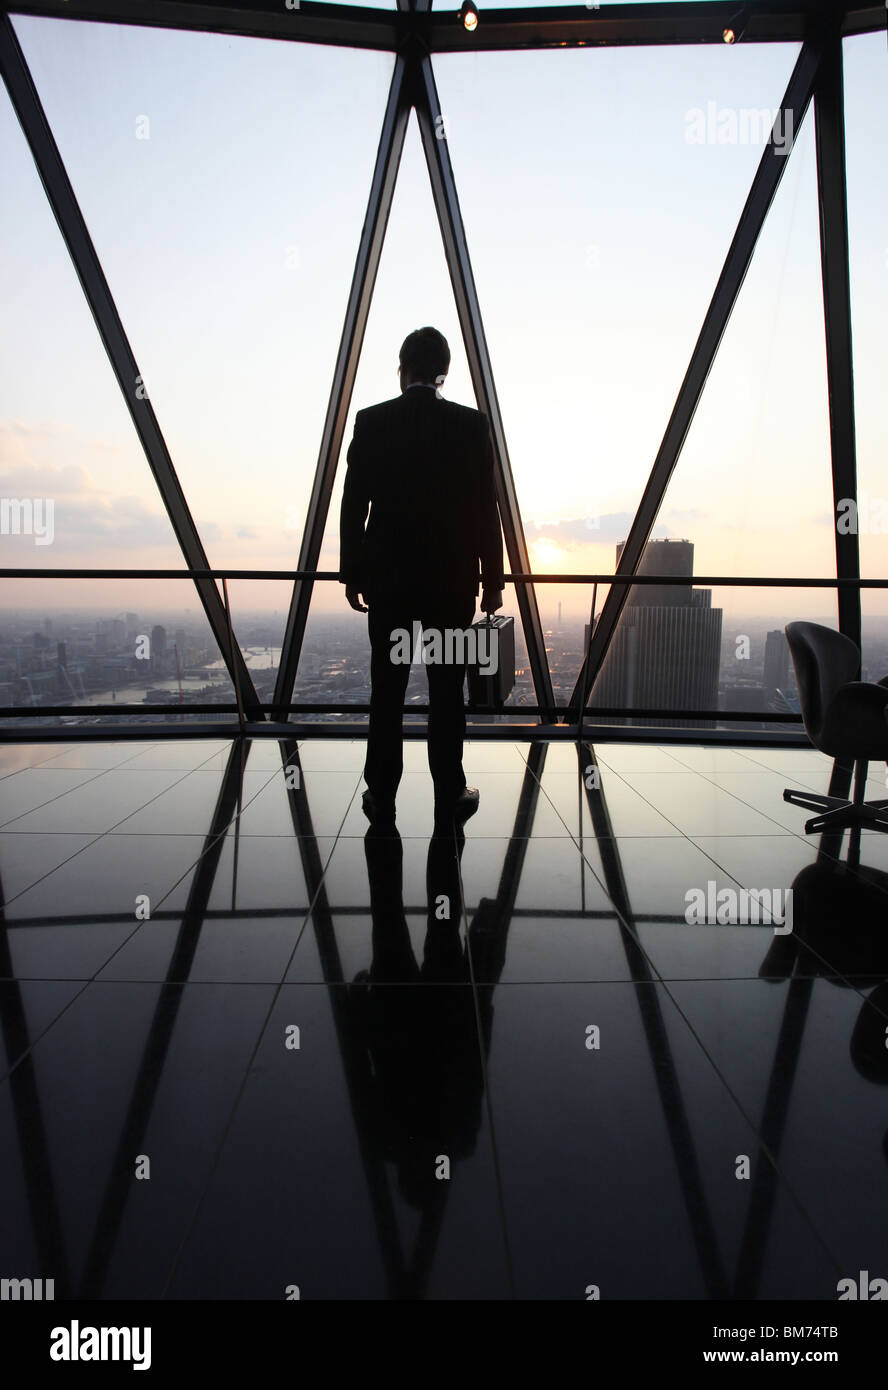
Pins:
x,y
465,805
377,811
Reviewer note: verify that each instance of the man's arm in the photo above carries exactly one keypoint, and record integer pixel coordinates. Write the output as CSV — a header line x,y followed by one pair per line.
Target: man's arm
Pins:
x,y
490,536
352,516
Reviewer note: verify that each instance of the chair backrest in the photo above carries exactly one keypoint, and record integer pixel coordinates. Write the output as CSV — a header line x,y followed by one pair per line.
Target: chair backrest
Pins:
x,y
823,661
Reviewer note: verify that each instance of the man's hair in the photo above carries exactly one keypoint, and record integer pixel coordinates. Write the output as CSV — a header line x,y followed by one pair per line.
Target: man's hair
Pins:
x,y
425,355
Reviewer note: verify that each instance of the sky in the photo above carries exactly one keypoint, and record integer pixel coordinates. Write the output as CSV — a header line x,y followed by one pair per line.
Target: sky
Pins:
x,y
224,182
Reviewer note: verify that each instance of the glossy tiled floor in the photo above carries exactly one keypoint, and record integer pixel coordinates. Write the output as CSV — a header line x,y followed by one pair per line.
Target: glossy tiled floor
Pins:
x,y
248,1046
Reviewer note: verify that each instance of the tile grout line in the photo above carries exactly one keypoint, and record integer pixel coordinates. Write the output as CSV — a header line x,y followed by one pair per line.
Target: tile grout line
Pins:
x,y
765,1148
263,1028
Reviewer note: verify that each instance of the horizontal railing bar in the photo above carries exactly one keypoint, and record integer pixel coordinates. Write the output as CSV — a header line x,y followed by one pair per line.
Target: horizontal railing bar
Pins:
x,y
695,580
482,733
271,914
617,712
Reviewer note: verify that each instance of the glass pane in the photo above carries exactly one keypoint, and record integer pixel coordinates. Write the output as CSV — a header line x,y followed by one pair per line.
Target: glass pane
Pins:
x,y
866,142
258,618
706,649
601,190
76,487
753,485
412,289
224,182
595,284
85,643
752,490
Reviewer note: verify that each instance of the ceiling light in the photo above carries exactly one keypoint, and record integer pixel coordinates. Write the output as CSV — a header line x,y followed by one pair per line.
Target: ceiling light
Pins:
x,y
736,27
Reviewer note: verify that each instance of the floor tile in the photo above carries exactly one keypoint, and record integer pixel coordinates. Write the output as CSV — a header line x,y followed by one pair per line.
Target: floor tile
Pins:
x,y
112,875
98,803
27,1009
37,787
163,1091
327,1179
327,796
76,951
630,1150
611,808
697,807
99,755
26,859
798,1054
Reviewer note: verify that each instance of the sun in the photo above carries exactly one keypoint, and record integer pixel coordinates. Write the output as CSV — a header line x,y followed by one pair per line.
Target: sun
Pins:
x,y
546,555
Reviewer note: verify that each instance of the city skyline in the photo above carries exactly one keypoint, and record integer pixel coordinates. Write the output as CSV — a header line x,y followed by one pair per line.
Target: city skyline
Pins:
x,y
89,659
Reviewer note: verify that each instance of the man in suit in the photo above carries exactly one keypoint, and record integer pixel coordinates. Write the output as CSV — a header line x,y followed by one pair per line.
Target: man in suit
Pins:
x,y
423,467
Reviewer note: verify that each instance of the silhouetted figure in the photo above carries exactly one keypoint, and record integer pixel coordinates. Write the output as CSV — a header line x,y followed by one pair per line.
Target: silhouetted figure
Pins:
x,y
428,1079
423,467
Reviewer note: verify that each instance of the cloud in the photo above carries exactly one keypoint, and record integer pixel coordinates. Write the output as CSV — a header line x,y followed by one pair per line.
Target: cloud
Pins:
x,y
87,517
611,528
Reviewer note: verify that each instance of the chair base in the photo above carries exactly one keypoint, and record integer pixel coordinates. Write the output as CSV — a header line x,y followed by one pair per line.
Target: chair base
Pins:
x,y
837,813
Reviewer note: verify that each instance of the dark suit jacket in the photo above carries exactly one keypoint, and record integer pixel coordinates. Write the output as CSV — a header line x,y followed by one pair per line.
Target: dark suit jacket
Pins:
x,y
424,468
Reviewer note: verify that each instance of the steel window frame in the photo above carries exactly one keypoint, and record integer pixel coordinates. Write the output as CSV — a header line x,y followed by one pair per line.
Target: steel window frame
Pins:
x,y
414,32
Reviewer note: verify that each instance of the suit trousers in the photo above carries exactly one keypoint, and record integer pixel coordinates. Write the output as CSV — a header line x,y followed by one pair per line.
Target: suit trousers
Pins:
x,y
388,679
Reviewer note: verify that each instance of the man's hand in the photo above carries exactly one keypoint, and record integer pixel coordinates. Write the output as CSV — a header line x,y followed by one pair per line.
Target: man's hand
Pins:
x,y
353,594
491,600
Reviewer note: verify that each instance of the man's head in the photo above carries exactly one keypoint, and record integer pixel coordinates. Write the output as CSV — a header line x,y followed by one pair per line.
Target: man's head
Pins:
x,y
424,356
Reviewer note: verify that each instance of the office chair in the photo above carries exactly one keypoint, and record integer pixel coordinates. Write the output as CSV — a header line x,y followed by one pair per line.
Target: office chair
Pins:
x,y
844,717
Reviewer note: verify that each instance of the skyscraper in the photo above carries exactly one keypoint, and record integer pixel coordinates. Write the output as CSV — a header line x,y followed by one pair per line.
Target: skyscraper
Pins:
x,y
776,669
158,650
666,651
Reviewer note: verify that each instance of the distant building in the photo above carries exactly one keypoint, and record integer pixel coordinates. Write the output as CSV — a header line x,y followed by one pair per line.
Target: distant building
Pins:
x,y
776,670
666,651
158,649
63,680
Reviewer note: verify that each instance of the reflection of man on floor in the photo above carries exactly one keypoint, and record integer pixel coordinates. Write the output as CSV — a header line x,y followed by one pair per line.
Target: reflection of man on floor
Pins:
x,y
423,466
424,1044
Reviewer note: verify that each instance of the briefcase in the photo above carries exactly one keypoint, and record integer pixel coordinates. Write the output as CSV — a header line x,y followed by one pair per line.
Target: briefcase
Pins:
x,y
493,645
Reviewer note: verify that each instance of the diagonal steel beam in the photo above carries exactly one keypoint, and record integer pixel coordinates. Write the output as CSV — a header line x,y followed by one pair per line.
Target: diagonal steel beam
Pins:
x,y
54,177
356,1062
829,125
764,186
391,143
648,990
159,1037
428,110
